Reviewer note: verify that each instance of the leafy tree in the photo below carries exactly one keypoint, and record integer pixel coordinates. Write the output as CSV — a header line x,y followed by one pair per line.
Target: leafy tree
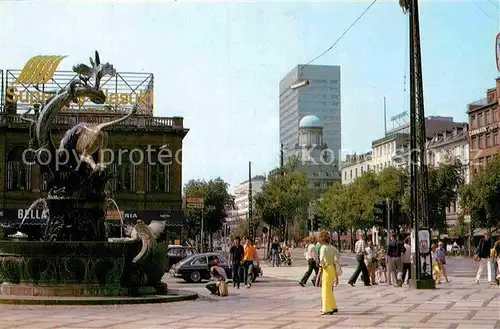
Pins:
x,y
444,184
480,198
217,201
335,209
285,196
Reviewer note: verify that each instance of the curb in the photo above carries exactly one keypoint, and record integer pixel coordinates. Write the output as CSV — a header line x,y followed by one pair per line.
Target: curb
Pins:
x,y
177,296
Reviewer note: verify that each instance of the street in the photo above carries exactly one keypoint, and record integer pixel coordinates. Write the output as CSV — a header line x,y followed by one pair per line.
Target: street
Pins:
x,y
276,300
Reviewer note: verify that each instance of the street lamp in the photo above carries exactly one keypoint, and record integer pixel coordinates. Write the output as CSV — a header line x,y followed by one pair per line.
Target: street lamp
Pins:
x,y
299,84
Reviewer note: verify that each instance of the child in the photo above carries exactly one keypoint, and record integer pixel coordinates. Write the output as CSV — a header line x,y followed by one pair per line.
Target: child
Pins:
x,y
436,269
382,267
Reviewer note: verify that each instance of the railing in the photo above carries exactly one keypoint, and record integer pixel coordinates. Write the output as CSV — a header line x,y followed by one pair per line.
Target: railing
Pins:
x,y
123,91
73,119
2,91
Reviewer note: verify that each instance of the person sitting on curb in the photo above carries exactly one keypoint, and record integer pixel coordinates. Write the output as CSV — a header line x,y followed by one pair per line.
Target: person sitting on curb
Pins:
x,y
218,278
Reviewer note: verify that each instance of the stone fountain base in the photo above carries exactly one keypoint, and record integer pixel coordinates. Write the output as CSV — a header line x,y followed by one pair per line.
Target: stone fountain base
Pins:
x,y
80,269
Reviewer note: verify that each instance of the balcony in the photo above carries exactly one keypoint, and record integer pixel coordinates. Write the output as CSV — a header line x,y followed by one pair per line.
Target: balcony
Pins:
x,y
67,120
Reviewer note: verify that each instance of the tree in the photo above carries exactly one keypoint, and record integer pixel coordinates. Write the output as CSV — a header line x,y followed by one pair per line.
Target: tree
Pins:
x,y
480,197
217,201
335,209
444,183
285,196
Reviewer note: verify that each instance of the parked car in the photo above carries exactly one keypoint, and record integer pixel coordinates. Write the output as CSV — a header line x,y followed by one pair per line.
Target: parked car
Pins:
x,y
196,267
176,253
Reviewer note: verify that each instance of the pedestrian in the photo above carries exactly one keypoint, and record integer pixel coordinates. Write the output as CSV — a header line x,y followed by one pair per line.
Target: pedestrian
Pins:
x,y
394,264
441,259
328,260
483,251
436,270
407,260
218,279
360,250
249,256
496,254
371,261
311,262
316,278
275,254
235,259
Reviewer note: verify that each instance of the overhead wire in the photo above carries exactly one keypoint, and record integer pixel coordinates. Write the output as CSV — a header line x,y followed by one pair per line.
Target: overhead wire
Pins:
x,y
339,38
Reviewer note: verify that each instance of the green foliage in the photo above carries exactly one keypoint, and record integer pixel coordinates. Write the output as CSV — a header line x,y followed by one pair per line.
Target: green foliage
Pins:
x,y
286,195
217,201
480,198
444,184
355,205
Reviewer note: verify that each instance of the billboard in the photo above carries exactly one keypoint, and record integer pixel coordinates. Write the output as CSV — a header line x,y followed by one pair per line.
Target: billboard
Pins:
x,y
39,80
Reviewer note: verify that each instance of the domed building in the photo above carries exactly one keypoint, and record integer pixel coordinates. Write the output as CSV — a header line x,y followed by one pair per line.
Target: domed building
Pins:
x,y
315,158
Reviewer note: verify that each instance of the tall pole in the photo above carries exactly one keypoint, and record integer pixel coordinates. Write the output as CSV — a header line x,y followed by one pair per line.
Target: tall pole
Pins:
x,y
418,165
282,222
385,117
388,206
202,235
250,202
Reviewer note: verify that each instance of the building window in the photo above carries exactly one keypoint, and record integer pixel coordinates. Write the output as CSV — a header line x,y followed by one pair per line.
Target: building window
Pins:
x,y
356,172
350,174
345,175
158,174
495,115
18,172
361,170
479,120
481,142
495,139
317,184
44,181
473,121
473,143
488,140
123,173
487,117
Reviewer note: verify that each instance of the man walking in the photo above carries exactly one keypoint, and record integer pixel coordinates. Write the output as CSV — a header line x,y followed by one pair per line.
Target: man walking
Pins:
x,y
275,255
235,259
249,255
483,255
360,250
394,263
406,257
311,262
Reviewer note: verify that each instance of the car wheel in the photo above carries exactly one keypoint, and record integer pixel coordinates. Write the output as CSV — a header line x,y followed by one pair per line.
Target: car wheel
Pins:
x,y
195,276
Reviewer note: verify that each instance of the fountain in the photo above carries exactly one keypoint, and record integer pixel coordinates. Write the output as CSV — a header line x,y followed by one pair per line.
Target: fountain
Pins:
x,y
75,262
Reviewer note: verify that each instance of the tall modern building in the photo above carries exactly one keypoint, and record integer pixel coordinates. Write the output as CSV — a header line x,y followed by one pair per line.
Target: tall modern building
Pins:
x,y
320,98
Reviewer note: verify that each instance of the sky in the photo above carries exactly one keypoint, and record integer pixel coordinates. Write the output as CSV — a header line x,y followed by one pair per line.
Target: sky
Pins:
x,y
218,64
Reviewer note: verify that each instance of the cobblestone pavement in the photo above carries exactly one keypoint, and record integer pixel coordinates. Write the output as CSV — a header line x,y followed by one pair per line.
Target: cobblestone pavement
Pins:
x,y
282,303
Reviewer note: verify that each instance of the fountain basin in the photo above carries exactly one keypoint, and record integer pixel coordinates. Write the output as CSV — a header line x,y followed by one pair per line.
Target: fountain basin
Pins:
x,y
34,268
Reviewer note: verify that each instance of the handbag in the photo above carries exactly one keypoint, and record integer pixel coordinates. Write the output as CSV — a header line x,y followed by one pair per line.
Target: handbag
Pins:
x,y
223,288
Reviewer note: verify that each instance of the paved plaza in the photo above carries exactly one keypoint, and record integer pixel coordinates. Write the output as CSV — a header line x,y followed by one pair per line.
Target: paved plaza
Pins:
x,y
277,301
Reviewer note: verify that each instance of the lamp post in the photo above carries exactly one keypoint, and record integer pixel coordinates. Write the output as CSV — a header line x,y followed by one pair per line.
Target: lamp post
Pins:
x,y
250,203
299,84
418,167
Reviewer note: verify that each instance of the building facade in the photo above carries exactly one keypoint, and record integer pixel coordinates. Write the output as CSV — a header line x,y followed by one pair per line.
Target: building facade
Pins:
x,y
144,188
484,127
320,98
315,158
445,147
355,165
241,200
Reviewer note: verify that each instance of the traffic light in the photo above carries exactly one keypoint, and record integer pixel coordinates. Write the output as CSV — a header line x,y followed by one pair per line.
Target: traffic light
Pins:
x,y
317,220
380,213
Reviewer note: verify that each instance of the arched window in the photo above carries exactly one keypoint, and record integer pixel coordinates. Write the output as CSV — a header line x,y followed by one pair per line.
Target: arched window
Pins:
x,y
123,171
18,171
158,173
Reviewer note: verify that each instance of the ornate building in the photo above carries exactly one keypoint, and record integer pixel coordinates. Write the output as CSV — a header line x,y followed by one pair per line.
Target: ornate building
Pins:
x,y
315,158
141,186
